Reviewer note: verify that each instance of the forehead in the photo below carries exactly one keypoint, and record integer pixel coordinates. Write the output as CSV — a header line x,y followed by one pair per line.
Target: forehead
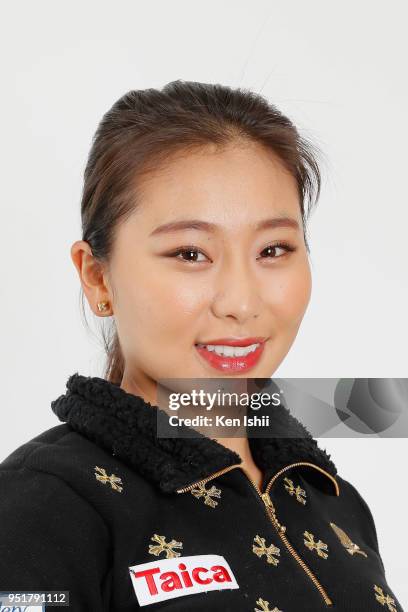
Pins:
x,y
232,187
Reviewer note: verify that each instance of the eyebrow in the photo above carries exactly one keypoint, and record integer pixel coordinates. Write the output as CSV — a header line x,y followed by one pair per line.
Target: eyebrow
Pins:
x,y
205,226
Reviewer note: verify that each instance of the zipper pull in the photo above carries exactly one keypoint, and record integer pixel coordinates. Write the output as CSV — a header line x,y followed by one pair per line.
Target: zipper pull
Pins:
x,y
271,508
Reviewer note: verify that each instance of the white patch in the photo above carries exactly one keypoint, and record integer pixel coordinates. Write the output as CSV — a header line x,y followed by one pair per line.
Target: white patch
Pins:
x,y
169,578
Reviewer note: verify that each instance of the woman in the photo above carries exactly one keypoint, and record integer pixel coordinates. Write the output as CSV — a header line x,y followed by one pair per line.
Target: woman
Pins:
x,y
194,215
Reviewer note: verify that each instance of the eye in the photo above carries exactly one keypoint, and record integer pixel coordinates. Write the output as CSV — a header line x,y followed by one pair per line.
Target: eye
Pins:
x,y
190,253
272,248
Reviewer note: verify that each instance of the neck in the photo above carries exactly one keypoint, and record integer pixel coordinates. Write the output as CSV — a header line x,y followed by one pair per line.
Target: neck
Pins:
x,y
144,387
241,447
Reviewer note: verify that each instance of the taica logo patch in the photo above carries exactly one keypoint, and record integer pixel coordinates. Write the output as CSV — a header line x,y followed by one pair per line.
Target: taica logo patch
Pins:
x,y
168,578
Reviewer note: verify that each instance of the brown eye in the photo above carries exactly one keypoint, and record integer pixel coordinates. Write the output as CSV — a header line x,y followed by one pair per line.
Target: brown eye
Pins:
x,y
271,249
188,254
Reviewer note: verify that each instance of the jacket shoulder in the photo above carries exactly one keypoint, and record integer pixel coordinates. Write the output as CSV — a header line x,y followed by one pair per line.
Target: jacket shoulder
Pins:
x,y
52,436
59,451
60,458
359,510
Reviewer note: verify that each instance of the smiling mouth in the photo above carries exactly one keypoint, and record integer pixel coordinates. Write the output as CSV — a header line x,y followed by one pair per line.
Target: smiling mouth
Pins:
x,y
227,358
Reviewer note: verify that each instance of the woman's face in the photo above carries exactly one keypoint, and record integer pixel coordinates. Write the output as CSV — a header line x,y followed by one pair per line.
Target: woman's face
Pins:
x,y
231,281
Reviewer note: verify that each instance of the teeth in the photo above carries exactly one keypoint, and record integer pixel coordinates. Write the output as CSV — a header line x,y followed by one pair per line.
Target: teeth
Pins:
x,y
230,351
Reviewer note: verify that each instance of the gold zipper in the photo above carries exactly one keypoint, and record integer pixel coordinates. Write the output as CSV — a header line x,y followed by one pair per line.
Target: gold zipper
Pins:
x,y
210,477
270,510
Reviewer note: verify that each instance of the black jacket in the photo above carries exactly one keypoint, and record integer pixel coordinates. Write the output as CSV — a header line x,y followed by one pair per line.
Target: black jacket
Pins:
x,y
87,504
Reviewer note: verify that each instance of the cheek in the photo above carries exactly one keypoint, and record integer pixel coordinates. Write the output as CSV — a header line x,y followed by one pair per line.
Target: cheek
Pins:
x,y
160,307
289,294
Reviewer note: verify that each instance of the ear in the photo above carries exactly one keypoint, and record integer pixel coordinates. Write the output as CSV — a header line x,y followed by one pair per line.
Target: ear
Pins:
x,y
91,275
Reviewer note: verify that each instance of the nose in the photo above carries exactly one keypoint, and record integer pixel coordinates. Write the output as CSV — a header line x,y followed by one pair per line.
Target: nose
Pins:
x,y
237,292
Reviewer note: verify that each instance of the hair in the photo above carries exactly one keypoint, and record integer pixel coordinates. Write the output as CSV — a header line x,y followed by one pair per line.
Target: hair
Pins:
x,y
145,128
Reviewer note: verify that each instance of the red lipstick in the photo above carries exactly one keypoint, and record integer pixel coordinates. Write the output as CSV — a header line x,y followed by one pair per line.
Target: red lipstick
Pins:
x,y
236,363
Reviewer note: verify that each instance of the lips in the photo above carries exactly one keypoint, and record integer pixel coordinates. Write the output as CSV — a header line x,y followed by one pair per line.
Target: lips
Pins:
x,y
236,363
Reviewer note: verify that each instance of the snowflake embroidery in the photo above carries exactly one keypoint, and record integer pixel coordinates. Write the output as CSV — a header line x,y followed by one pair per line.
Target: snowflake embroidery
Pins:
x,y
385,600
163,546
319,546
114,481
262,549
201,491
298,491
264,606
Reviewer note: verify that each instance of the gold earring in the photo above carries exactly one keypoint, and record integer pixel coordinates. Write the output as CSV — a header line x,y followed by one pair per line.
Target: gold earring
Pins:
x,y
102,306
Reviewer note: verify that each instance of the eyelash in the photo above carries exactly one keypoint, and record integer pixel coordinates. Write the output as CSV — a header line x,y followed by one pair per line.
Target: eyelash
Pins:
x,y
191,248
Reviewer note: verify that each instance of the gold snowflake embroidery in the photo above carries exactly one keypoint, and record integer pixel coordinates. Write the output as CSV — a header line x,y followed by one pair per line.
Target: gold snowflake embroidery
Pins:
x,y
298,491
348,544
262,549
163,546
114,481
319,546
264,606
385,600
201,491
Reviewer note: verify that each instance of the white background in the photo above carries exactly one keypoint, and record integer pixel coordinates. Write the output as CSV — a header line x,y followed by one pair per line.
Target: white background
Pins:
x,y
338,69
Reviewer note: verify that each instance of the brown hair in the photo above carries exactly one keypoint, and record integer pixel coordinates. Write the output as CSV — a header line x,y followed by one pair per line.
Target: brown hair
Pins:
x,y
145,127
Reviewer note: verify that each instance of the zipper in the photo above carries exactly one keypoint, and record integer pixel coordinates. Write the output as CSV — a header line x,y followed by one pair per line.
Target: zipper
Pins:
x,y
271,512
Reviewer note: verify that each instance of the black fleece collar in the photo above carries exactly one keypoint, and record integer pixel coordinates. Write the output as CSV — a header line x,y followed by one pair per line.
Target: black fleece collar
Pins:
x,y
126,426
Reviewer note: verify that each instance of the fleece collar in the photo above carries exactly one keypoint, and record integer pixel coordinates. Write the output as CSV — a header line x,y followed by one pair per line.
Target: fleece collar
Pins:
x,y
126,426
